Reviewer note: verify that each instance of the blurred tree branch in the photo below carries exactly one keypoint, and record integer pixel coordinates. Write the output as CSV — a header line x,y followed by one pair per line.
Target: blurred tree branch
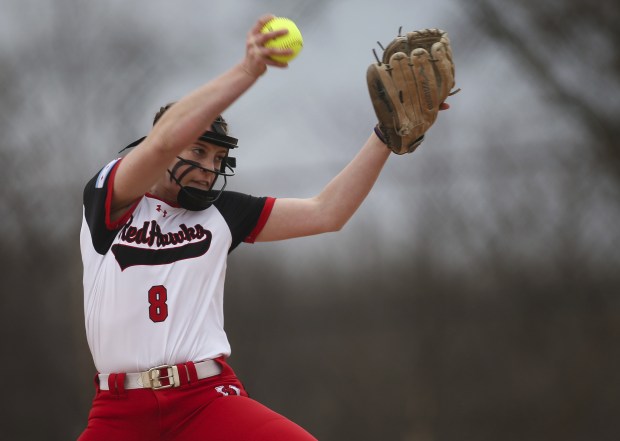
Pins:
x,y
570,49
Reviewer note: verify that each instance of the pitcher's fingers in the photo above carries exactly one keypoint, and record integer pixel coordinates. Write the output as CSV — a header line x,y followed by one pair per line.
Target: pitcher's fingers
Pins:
x,y
262,21
261,38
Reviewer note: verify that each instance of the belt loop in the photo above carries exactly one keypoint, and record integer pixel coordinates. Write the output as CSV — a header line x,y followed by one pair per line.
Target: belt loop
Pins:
x,y
183,374
226,369
112,383
191,370
120,384
116,384
97,388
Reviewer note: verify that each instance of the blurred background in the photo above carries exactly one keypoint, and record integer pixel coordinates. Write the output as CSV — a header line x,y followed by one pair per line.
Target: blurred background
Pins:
x,y
474,296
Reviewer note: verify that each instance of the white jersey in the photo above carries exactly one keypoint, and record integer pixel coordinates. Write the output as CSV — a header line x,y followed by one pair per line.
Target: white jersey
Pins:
x,y
154,280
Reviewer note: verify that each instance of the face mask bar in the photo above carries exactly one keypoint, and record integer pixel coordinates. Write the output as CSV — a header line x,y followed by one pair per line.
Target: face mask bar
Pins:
x,y
196,199
227,163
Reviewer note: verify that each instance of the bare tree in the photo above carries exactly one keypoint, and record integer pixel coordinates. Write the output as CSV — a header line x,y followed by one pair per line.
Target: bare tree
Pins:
x,y
56,107
569,47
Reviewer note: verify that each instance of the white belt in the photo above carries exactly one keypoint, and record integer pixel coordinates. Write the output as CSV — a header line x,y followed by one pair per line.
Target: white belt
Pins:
x,y
169,373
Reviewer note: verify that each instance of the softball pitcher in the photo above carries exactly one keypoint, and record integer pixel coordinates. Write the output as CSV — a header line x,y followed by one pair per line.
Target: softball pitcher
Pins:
x,y
157,228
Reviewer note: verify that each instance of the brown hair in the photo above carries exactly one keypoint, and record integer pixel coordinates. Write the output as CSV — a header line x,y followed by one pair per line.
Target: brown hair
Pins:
x,y
219,126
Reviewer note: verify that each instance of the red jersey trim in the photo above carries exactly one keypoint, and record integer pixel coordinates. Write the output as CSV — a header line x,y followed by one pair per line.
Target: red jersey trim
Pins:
x,y
262,220
108,203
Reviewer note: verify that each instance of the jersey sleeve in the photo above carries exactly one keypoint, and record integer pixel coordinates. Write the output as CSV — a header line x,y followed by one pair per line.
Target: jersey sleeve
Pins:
x,y
97,200
245,215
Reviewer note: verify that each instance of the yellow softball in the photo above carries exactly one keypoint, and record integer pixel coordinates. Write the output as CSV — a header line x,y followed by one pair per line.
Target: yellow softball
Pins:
x,y
293,40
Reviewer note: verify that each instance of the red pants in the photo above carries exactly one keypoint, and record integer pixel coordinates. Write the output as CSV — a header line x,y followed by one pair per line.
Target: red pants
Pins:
x,y
190,412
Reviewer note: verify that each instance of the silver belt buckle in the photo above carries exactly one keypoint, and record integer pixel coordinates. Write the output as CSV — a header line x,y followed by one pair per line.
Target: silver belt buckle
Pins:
x,y
152,378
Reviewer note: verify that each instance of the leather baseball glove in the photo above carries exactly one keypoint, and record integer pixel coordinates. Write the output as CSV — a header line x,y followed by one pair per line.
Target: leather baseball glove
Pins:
x,y
407,86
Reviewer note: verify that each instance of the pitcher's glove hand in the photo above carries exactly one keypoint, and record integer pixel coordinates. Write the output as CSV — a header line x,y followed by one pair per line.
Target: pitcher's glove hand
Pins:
x,y
407,87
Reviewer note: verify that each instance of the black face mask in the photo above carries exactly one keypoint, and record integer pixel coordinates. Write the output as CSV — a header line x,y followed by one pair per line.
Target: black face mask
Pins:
x,y
195,199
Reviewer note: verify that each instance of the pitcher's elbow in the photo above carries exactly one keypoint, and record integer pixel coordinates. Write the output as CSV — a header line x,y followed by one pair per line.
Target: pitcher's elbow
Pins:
x,y
337,225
